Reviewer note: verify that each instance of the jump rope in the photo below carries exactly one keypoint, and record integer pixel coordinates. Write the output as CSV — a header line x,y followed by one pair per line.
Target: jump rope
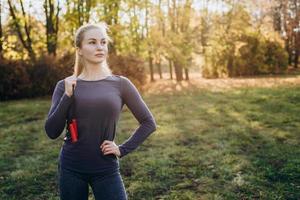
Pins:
x,y
72,123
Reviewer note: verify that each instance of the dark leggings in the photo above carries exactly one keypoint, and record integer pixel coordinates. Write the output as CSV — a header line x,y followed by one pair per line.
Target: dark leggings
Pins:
x,y
75,185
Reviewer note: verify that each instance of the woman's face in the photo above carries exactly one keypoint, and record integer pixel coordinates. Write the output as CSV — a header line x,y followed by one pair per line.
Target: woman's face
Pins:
x,y
93,46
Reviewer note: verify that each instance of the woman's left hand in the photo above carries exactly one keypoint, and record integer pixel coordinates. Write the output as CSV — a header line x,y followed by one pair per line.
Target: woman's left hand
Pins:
x,y
109,147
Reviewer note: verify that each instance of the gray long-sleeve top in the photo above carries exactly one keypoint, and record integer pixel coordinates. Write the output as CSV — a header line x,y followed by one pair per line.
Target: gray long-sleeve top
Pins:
x,y
98,106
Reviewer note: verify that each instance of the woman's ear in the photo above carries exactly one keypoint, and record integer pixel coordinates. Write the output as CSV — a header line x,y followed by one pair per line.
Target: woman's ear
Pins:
x,y
78,51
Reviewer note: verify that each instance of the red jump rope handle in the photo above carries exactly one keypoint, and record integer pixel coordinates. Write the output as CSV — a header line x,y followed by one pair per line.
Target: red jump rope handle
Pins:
x,y
73,130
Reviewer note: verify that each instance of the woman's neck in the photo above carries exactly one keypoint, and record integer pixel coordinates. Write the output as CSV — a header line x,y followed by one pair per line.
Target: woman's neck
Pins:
x,y
94,72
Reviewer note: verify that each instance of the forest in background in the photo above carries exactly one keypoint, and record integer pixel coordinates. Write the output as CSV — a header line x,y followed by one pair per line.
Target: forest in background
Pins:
x,y
223,38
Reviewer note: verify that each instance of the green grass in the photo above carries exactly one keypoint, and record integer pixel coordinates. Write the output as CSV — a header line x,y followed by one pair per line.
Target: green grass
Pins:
x,y
236,144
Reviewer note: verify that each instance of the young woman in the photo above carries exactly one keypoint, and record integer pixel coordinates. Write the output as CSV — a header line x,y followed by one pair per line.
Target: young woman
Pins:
x,y
98,97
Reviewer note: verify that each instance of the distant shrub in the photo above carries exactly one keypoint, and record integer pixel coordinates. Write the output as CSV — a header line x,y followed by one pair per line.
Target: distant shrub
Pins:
x,y
129,66
14,80
250,54
276,57
259,56
43,74
19,79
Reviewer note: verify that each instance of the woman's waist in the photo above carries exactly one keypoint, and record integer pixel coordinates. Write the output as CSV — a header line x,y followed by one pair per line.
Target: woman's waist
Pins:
x,y
89,168
88,153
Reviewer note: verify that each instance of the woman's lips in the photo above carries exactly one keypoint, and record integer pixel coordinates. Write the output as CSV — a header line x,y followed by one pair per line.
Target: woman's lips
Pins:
x,y
99,55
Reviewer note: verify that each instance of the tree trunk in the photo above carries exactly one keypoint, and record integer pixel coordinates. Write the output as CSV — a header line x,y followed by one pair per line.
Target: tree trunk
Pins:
x,y
289,50
1,32
178,71
27,44
159,68
186,71
51,25
287,30
230,66
150,58
170,69
296,56
297,38
230,69
151,65
296,61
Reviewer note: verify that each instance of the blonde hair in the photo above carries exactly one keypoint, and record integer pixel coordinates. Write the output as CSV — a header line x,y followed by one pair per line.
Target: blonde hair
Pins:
x,y
79,35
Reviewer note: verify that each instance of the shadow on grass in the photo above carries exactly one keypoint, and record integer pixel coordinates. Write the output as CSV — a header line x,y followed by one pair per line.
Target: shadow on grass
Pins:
x,y
225,144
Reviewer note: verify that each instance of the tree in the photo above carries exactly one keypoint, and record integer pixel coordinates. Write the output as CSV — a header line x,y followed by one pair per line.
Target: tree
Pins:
x,y
180,34
110,14
27,43
286,15
1,32
77,13
148,41
52,21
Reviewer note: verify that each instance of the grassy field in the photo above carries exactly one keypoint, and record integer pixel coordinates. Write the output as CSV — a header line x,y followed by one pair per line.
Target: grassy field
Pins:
x,y
231,144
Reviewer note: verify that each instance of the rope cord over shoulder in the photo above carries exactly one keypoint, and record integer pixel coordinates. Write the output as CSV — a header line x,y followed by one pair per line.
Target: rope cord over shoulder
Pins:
x,y
73,106
72,132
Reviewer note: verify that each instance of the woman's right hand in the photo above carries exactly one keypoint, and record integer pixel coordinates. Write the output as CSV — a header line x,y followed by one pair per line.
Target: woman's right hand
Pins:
x,y
69,82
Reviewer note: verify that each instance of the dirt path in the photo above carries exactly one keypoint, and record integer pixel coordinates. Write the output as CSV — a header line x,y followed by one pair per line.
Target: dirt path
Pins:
x,y
197,82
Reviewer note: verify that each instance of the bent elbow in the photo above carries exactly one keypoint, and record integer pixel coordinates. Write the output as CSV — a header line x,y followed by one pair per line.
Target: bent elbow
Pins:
x,y
50,133
155,128
153,125
149,123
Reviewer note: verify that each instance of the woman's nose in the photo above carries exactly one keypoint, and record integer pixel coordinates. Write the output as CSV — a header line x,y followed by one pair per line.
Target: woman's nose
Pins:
x,y
99,46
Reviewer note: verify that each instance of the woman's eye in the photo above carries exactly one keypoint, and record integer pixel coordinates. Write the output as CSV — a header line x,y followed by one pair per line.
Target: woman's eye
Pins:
x,y
104,42
92,43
